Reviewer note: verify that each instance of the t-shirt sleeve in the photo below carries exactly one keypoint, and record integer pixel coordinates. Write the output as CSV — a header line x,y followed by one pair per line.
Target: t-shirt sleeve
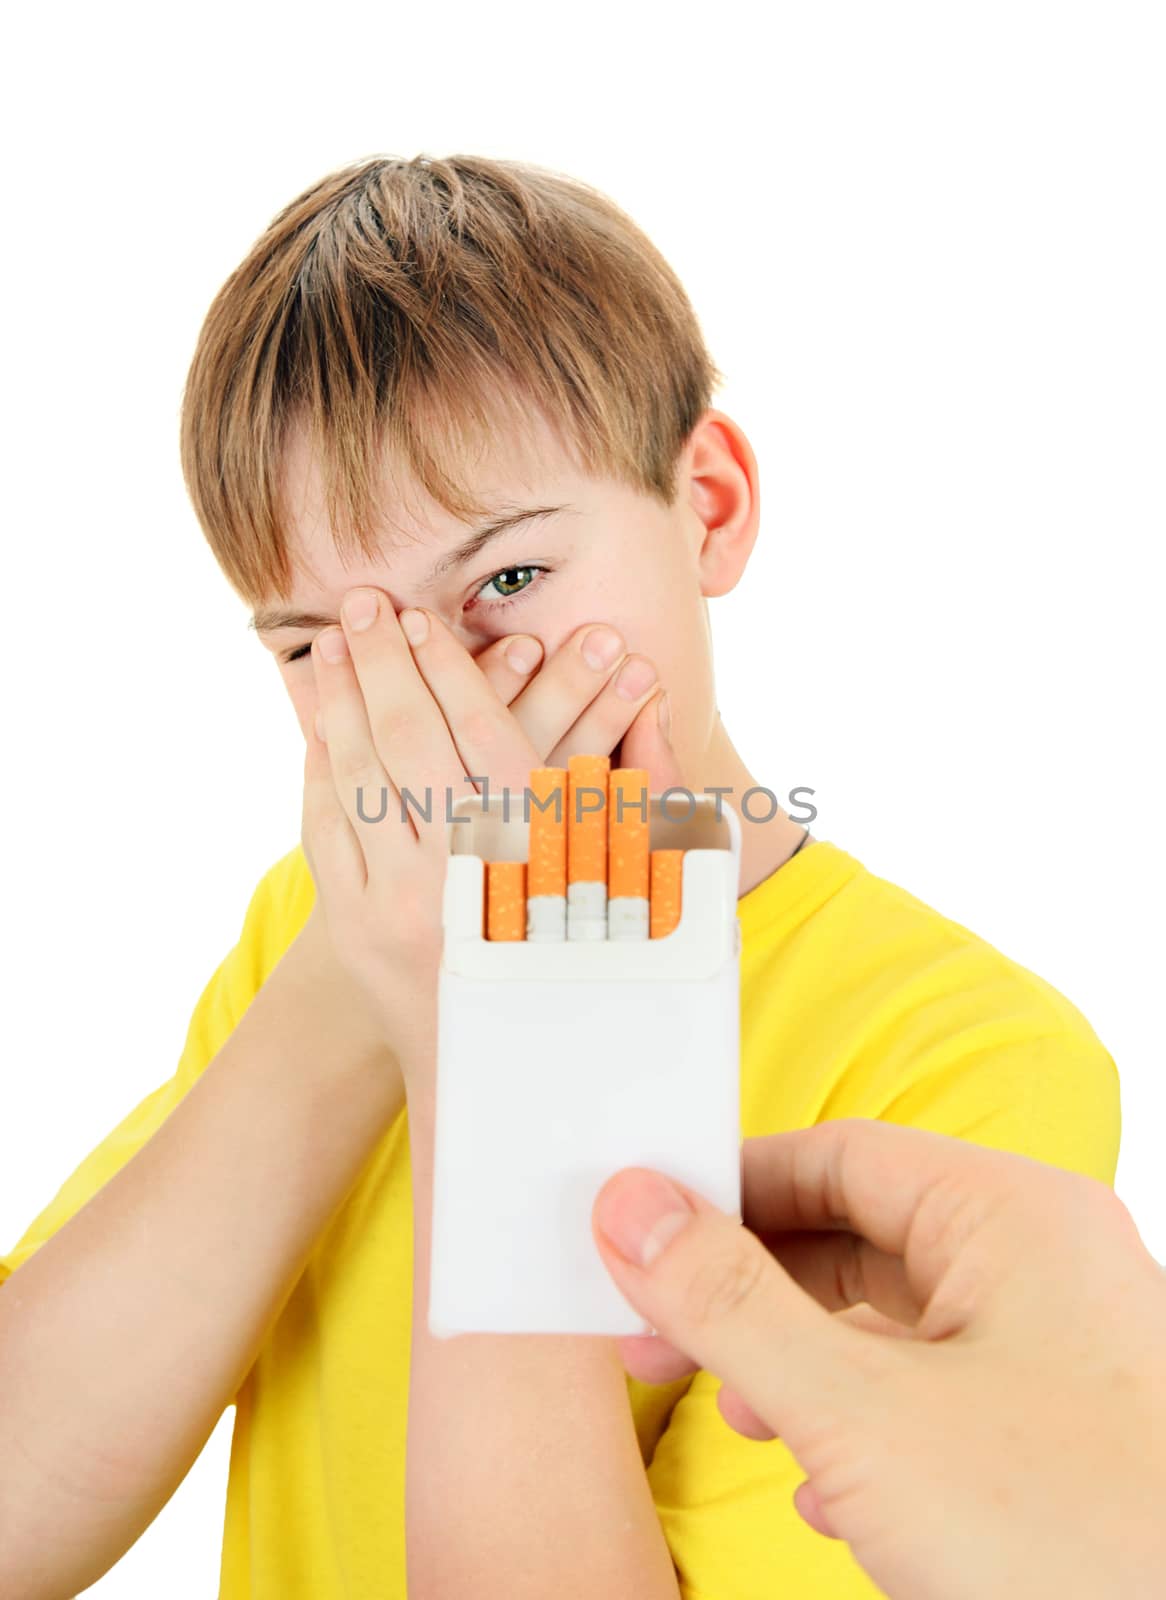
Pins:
x,y
274,915
1005,1062
725,1506
1053,1097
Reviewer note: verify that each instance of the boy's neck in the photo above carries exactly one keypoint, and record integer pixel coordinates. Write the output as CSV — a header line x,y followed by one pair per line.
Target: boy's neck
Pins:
x,y
765,846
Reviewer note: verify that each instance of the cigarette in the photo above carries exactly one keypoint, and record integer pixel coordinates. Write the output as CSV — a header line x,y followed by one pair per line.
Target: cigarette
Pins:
x,y
665,892
506,899
546,874
587,846
627,854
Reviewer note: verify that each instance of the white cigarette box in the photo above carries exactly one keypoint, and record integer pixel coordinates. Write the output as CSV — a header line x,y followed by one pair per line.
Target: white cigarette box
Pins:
x,y
558,1064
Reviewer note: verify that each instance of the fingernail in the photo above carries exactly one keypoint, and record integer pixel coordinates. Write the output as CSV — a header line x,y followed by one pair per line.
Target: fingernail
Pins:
x,y
415,626
635,678
664,713
600,647
333,644
639,1212
320,727
523,654
360,609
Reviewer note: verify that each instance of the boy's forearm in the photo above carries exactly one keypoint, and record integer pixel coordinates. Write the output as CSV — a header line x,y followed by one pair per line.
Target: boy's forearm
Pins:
x,y
524,1476
126,1335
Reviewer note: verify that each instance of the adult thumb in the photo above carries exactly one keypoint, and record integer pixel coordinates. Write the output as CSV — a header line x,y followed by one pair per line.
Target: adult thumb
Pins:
x,y
710,1287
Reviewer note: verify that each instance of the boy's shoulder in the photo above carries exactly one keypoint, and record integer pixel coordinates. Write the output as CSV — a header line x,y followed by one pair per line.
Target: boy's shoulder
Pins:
x,y
287,887
275,913
861,932
876,1004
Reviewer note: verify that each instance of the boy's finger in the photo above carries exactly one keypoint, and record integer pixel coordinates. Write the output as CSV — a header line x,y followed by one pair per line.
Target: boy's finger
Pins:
x,y
570,679
409,732
647,744
332,849
607,719
509,664
362,785
485,734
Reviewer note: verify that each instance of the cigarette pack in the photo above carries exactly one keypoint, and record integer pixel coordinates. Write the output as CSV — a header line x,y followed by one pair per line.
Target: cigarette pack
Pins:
x,y
560,1063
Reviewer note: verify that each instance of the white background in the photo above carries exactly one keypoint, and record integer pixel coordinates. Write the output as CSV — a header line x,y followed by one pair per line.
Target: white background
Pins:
x,y
926,245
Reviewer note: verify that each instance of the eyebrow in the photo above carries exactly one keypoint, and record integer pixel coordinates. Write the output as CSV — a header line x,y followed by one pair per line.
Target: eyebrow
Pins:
x,y
270,618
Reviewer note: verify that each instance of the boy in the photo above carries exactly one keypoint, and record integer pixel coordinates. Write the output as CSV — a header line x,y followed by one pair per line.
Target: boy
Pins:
x,y
448,432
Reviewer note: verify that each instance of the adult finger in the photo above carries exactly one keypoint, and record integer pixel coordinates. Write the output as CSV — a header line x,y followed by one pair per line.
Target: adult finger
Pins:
x,y
651,1359
842,1269
871,1320
740,1415
654,1360
714,1291
891,1185
808,1505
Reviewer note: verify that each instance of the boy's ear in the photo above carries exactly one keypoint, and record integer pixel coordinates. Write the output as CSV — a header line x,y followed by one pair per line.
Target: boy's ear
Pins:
x,y
723,492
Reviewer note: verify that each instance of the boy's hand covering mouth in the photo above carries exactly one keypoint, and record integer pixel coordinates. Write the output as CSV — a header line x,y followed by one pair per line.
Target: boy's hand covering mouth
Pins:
x,y
406,715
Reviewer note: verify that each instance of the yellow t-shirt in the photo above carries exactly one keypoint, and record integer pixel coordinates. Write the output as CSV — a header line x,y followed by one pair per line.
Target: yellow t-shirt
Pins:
x,y
857,1000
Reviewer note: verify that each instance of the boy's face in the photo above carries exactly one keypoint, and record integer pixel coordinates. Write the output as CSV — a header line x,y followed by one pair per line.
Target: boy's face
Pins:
x,y
611,554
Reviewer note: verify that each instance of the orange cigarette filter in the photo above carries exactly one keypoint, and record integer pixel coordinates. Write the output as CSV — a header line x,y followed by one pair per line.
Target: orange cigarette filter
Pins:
x,y
587,833
506,899
664,904
627,834
547,852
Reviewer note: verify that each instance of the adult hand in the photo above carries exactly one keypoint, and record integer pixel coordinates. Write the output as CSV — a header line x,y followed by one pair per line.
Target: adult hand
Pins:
x,y
1011,1440
405,708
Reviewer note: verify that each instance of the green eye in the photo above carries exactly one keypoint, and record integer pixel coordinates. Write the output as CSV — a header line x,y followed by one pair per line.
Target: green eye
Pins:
x,y
508,585
512,581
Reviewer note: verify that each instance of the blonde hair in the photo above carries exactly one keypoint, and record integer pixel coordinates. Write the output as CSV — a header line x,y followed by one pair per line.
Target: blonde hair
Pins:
x,y
411,308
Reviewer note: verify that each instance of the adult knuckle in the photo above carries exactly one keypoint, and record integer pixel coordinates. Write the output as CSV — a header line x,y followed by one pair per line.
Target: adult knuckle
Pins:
x,y
730,1278
849,1274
